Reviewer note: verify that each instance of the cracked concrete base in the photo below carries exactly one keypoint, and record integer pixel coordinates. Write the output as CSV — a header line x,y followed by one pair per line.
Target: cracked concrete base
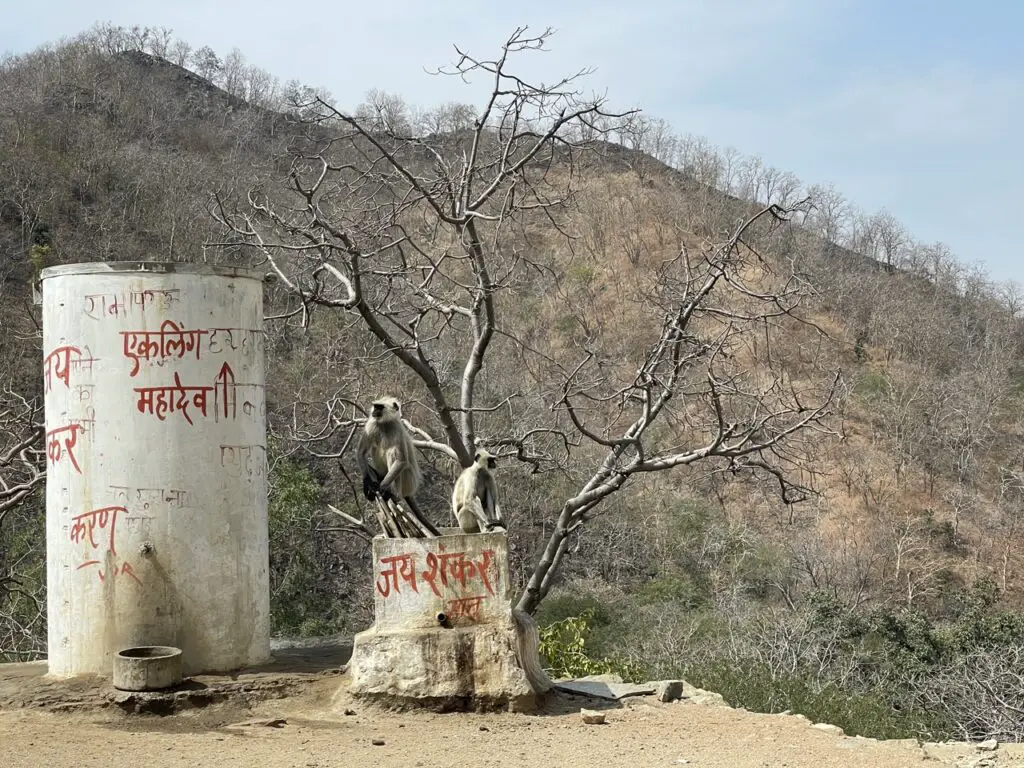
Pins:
x,y
442,669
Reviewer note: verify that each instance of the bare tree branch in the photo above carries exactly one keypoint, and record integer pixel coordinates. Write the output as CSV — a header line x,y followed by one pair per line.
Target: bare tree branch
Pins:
x,y
428,244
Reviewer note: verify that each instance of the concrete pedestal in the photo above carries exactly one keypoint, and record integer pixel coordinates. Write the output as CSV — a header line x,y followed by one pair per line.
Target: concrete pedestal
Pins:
x,y
445,636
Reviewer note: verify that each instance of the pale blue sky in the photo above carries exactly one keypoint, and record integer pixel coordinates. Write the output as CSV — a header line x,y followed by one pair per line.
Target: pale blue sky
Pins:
x,y
912,105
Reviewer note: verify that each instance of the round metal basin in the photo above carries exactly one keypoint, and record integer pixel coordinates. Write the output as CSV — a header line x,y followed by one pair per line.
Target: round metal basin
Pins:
x,y
147,668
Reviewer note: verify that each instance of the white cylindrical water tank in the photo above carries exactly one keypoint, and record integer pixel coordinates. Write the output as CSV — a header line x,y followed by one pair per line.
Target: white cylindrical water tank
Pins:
x,y
156,486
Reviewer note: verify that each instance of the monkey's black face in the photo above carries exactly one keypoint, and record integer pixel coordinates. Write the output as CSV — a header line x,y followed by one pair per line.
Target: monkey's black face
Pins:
x,y
491,462
382,408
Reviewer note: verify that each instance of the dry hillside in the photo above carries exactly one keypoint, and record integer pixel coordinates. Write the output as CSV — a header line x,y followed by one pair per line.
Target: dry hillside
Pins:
x,y
861,565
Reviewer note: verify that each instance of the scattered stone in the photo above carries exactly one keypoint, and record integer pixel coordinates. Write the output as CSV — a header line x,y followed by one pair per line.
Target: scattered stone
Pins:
x,y
829,727
989,745
377,742
592,717
484,728
699,696
350,711
669,690
610,678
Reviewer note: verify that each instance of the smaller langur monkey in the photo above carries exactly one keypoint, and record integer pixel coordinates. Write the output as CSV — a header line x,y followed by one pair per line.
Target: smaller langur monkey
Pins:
x,y
475,497
387,458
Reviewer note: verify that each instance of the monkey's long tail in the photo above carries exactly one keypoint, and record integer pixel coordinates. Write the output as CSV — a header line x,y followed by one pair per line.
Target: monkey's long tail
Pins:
x,y
413,515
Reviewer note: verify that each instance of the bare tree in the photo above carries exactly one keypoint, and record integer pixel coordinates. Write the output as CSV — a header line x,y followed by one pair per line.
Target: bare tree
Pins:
x,y
21,474
732,168
303,101
384,113
21,466
781,187
159,41
700,160
982,693
430,244
233,73
649,138
451,117
206,63
1011,297
180,53
831,214
751,179
890,239
261,88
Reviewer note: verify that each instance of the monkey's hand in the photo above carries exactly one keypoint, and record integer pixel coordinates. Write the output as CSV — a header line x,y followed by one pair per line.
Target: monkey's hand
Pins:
x,y
370,488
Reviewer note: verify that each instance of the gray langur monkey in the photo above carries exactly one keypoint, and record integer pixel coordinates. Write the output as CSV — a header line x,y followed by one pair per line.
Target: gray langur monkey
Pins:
x,y
475,496
387,457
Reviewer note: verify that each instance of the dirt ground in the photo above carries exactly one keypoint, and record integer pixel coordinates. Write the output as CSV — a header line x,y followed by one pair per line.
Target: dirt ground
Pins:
x,y
299,713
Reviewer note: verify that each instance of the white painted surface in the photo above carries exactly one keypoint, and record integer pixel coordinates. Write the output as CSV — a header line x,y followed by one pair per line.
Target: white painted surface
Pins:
x,y
463,575
476,656
156,494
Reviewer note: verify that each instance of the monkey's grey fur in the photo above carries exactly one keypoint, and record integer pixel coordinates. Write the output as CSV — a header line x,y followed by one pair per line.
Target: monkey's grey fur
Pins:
x,y
475,496
387,457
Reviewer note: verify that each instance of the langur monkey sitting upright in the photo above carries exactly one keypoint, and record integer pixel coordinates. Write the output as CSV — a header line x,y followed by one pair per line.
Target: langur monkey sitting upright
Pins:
x,y
475,497
387,457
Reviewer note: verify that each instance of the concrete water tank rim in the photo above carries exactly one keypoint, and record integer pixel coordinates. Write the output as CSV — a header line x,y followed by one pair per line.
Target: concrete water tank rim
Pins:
x,y
137,268
149,652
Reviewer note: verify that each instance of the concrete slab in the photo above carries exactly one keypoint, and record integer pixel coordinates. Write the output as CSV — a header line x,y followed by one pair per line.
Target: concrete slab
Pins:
x,y
606,690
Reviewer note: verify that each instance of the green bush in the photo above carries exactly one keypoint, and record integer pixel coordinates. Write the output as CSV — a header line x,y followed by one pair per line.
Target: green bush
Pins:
x,y
563,605
857,712
563,645
872,385
301,602
675,586
23,591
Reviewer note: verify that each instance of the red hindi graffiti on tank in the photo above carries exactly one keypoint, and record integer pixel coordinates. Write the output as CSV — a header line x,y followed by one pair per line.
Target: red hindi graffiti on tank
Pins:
x,y
56,447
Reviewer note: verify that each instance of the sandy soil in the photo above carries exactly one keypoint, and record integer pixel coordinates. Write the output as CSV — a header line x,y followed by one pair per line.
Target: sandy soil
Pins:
x,y
309,728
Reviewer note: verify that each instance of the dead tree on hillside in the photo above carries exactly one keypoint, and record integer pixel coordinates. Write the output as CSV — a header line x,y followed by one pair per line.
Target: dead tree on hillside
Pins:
x,y
433,244
22,471
21,459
